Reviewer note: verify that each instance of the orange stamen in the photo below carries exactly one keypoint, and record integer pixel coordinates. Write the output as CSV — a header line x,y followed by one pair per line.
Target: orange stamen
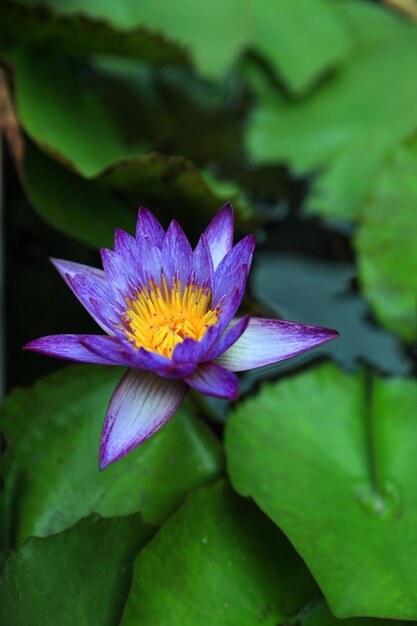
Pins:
x,y
157,319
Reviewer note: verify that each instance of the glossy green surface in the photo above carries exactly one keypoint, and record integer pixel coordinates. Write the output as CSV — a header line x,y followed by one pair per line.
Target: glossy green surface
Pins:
x,y
51,465
333,464
69,579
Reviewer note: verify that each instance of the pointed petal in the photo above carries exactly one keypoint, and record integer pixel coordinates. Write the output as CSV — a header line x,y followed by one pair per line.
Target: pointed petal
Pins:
x,y
224,276
70,348
151,262
176,253
123,353
96,297
232,334
219,234
232,301
203,269
141,403
115,349
69,270
148,226
213,380
120,275
269,341
126,247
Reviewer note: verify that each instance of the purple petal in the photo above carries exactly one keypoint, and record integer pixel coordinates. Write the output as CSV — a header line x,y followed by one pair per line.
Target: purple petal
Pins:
x,y
123,279
230,337
70,348
232,301
213,380
149,228
96,297
151,262
219,234
127,248
224,276
120,275
117,350
176,253
192,351
123,353
141,403
270,341
69,270
203,270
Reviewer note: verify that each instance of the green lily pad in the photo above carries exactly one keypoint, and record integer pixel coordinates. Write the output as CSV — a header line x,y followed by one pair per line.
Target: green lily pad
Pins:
x,y
51,468
91,210
332,461
345,128
218,33
81,576
43,27
69,110
218,561
386,245
124,108
71,204
301,40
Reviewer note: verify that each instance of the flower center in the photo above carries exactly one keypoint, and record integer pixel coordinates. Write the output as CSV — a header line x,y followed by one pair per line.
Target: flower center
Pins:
x,y
158,319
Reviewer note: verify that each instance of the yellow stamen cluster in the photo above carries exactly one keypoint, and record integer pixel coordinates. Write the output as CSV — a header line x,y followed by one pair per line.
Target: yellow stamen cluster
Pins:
x,y
157,319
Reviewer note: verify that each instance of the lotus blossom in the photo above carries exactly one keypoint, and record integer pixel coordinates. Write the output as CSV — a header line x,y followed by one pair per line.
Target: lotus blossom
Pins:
x,y
168,312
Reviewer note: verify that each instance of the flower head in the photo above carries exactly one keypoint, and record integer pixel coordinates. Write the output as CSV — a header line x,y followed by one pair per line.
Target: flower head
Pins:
x,y
169,315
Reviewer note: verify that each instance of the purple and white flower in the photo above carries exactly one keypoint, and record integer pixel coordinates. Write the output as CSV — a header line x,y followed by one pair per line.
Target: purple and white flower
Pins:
x,y
169,316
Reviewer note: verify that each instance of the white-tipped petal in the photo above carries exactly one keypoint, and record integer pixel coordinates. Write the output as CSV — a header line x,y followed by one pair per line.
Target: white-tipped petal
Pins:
x,y
141,403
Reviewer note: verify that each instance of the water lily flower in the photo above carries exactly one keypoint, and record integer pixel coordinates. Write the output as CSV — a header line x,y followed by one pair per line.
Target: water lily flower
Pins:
x,y
168,312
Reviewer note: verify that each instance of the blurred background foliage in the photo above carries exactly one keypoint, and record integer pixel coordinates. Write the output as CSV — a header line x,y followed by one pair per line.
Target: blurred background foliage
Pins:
x,y
304,115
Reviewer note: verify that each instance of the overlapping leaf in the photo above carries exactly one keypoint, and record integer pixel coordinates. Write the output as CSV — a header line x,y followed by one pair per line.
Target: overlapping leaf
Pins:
x,y
42,27
224,563
345,128
91,113
323,39
51,467
91,210
81,576
333,464
73,205
66,108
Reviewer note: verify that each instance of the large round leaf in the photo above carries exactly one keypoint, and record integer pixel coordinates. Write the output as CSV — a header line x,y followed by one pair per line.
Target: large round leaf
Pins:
x,y
80,576
218,561
332,461
386,245
51,468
